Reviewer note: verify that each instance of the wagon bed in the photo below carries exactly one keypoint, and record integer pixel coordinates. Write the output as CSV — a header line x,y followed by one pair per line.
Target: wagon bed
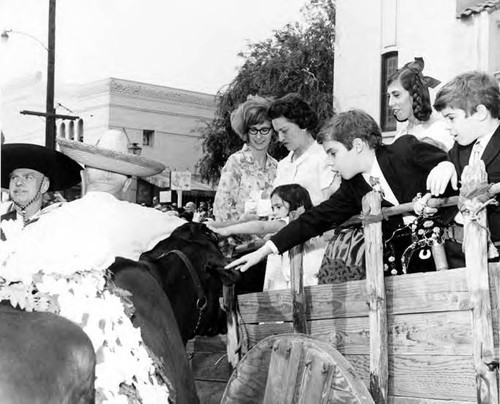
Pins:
x,y
417,338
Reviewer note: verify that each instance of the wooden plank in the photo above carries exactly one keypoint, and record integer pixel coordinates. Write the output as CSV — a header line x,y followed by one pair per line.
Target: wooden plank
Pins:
x,y
436,377
209,392
431,334
414,334
283,370
476,258
413,293
375,290
494,271
425,377
409,334
210,366
411,400
361,364
313,378
297,285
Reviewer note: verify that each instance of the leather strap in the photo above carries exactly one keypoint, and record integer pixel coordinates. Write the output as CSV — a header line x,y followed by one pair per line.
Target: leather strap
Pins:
x,y
202,301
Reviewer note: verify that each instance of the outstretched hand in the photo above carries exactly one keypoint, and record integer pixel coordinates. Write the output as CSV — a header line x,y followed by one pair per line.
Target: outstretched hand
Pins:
x,y
440,176
249,260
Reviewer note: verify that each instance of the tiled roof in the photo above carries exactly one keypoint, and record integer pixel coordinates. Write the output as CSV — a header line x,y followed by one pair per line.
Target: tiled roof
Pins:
x,y
488,5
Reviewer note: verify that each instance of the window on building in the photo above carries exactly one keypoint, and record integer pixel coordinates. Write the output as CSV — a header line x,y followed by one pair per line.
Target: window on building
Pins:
x,y
148,137
389,66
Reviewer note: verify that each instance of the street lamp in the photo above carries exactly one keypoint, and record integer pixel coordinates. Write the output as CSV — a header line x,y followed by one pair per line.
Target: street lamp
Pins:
x,y
50,113
134,148
4,37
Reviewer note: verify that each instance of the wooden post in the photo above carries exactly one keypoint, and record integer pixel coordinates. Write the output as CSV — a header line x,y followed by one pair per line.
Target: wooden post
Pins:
x,y
375,289
233,337
476,258
297,285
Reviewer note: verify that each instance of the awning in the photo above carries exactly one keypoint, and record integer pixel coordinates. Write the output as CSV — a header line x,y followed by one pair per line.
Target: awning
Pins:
x,y
201,186
162,180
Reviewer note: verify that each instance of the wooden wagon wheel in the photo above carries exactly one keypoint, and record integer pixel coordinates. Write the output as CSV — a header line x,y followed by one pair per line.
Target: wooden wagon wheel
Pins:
x,y
294,368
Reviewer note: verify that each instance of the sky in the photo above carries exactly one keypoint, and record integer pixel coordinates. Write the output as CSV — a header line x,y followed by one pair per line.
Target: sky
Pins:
x,y
186,44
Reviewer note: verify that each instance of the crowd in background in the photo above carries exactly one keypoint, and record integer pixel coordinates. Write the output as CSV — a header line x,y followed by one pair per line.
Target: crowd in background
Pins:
x,y
191,211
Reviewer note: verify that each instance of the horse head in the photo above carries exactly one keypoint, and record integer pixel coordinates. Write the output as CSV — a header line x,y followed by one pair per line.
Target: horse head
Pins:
x,y
190,268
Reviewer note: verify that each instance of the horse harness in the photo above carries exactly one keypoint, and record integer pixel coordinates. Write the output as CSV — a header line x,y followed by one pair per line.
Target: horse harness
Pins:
x,y
201,301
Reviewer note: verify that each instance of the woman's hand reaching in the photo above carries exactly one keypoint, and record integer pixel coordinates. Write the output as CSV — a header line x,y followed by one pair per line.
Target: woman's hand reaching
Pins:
x,y
222,231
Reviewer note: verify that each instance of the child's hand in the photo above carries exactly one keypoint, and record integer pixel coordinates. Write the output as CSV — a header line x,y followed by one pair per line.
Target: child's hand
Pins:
x,y
440,176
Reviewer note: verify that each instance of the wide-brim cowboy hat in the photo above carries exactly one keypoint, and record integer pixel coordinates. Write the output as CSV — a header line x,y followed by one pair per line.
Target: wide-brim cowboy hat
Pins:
x,y
62,171
111,154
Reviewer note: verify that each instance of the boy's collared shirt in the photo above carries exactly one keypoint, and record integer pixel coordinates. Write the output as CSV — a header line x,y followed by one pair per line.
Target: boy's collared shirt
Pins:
x,y
387,192
479,145
386,189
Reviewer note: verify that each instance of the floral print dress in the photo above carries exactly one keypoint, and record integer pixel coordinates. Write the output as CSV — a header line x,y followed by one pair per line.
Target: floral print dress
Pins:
x,y
243,182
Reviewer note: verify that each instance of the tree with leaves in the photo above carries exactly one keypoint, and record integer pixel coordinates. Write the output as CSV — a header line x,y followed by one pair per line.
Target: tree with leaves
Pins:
x,y
297,59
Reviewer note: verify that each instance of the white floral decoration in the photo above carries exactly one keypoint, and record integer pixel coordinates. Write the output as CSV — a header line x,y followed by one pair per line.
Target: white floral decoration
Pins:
x,y
81,296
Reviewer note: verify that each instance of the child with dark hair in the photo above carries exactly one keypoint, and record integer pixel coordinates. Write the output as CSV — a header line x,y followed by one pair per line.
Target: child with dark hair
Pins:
x,y
470,104
284,199
409,99
353,142
294,195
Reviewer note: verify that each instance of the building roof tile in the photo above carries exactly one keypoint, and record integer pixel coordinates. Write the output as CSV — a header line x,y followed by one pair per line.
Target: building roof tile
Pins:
x,y
480,6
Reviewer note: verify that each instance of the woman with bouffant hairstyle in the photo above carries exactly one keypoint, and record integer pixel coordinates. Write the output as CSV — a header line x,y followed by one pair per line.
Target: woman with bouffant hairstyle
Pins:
x,y
247,178
409,99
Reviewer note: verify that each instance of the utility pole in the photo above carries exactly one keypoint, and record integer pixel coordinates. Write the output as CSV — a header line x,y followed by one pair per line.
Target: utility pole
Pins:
x,y
50,118
50,112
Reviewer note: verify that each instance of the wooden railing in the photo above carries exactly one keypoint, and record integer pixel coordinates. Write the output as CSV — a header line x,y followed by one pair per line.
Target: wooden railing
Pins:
x,y
476,255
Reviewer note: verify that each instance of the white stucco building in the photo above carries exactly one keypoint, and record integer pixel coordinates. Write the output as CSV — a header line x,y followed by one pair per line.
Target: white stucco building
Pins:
x,y
165,122
375,37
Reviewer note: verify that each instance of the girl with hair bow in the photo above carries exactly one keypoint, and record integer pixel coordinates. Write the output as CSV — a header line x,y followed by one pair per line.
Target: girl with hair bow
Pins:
x,y
409,99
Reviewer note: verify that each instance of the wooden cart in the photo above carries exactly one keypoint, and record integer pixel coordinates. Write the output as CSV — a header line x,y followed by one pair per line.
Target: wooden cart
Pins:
x,y
418,338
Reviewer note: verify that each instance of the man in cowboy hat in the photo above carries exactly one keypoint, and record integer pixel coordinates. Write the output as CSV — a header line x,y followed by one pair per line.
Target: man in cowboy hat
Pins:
x,y
28,172
93,230
82,238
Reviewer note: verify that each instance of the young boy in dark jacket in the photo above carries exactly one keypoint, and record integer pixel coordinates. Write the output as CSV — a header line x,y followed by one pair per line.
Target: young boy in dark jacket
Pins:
x,y
470,103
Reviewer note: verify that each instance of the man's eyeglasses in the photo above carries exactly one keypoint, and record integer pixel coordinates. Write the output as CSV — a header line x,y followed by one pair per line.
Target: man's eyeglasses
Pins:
x,y
262,131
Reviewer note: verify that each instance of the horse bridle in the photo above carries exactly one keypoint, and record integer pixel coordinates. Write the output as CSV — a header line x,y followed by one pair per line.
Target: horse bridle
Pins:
x,y
201,301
